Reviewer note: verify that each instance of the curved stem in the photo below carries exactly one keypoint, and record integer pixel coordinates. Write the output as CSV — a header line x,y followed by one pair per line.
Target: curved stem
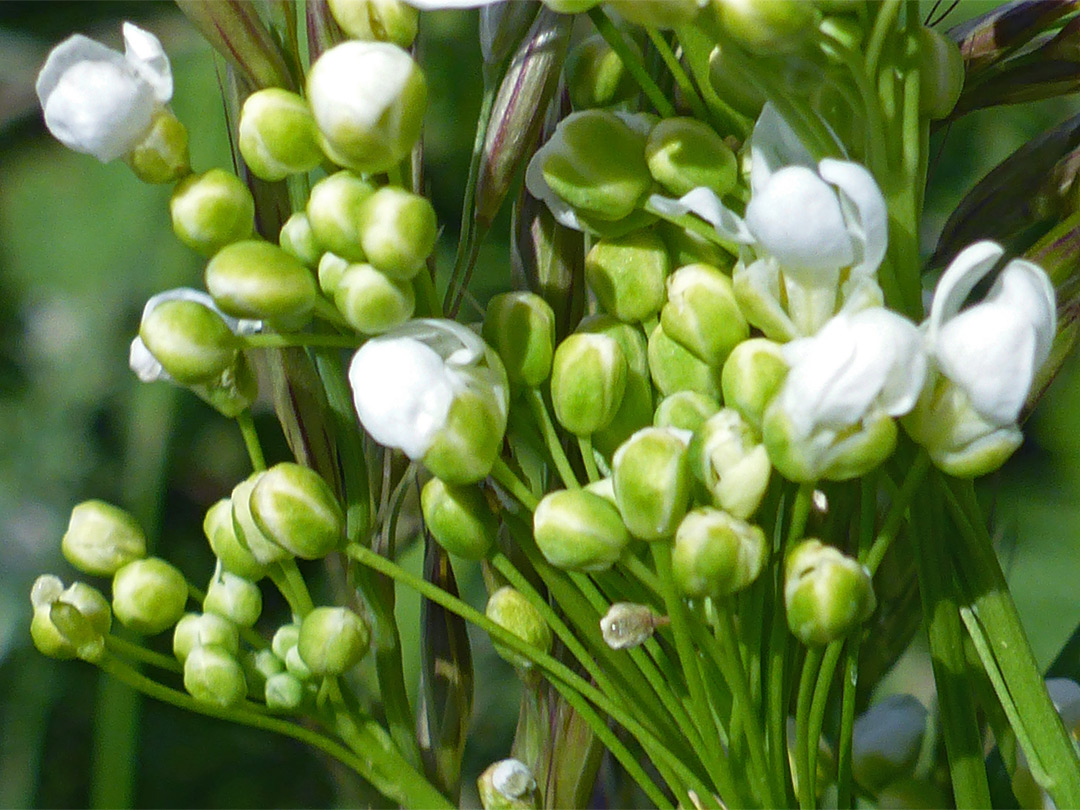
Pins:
x,y
127,649
251,440
588,458
810,669
676,69
631,62
551,437
512,484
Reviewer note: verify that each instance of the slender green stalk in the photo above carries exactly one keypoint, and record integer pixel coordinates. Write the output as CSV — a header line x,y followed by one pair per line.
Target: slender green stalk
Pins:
x,y
631,62
916,474
810,670
288,579
512,484
818,705
681,79
697,47
844,794
589,458
271,340
251,440
887,14
551,437
135,652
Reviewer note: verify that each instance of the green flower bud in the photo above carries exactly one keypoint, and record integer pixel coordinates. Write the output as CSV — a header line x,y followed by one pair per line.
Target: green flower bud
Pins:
x,y
295,666
508,785
331,268
605,488
465,449
628,625
369,300
368,99
684,154
212,210
627,273
77,630
651,472
263,665
579,530
827,593
596,76
212,675
702,315
571,6
69,623
192,343
221,534
752,375
247,532
333,210
716,554
296,509
459,518
284,692
102,538
727,456
397,231
253,279
686,247
162,155
510,610
596,164
520,327
285,639
657,13
204,630
149,595
685,410
675,368
298,240
588,378
234,598
635,410
48,640
767,26
382,20
941,77
732,86
332,640
278,134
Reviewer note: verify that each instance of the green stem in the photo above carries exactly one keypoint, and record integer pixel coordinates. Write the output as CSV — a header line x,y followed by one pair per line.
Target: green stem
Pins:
x,y
676,69
251,440
697,47
632,63
916,474
270,340
810,670
506,478
818,706
551,438
883,24
138,653
586,446
287,577
844,792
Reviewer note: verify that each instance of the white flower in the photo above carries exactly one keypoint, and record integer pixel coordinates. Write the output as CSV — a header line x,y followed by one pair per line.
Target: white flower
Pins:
x,y
100,102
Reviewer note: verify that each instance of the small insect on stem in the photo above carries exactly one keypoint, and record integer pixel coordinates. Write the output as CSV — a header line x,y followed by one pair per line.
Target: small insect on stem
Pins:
x,y
627,624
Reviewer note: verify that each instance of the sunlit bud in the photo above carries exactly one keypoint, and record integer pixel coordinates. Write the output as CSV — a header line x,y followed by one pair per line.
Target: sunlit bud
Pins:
x,y
628,625
510,609
886,741
684,154
234,598
149,595
716,554
368,99
204,630
459,518
333,211
162,155
212,675
588,378
331,268
732,86
767,26
635,410
372,302
296,509
298,240
190,340
91,605
508,785
102,538
520,327
827,593
686,247
657,13
627,274
397,231
253,279
941,74
266,664
594,165
76,629
465,449
212,210
278,134
285,639
295,665
247,532
579,530
702,315
727,456
605,488
651,471
332,640
685,410
221,534
753,373
283,692
675,368
376,20
596,76
68,623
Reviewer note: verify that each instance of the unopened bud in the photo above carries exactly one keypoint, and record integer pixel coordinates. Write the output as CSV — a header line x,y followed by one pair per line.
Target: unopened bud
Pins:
x,y
941,77
579,530
702,315
212,675
234,598
508,785
298,240
331,268
191,341
716,554
204,630
685,410
727,456
635,410
628,625
162,155
520,327
295,665
253,279
686,247
397,231
76,629
675,368
767,26
278,134
149,595
510,610
69,623
752,375
371,301
247,532
333,210
296,509
827,593
627,274
684,154
376,20
212,210
466,447
651,472
102,538
459,518
596,75
332,640
221,534
588,378
285,639
284,692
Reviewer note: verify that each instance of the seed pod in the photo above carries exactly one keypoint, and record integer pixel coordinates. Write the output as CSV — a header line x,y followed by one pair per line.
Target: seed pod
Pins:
x,y
192,342
459,519
509,609
332,640
295,508
397,231
684,154
716,554
221,534
204,630
212,675
234,598
253,279
627,274
277,135
651,473
579,530
102,538
827,593
369,300
941,77
588,378
212,210
333,210
149,595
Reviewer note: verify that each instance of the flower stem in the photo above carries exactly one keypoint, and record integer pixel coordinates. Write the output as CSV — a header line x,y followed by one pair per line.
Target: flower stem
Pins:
x,y
681,79
847,725
271,340
586,446
631,62
551,438
251,440
120,646
509,481
810,670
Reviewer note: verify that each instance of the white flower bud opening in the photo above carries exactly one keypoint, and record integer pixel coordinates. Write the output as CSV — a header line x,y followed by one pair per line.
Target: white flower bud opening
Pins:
x,y
512,778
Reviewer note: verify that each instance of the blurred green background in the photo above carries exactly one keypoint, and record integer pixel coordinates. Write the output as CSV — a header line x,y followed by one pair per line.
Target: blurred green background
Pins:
x,y
81,248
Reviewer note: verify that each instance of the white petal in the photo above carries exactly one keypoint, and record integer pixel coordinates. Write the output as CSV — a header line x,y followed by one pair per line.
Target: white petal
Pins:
x,y
67,54
238,326
773,146
797,218
144,52
434,5
144,364
757,291
455,343
1027,287
353,84
865,212
957,282
706,204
